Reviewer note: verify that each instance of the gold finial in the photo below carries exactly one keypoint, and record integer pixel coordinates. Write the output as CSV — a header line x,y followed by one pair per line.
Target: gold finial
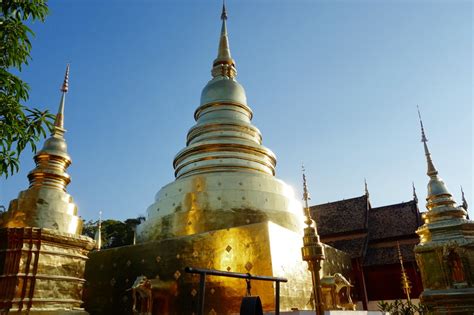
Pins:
x,y
464,201
406,285
98,234
59,121
224,65
431,168
415,197
366,188
306,198
224,11
65,86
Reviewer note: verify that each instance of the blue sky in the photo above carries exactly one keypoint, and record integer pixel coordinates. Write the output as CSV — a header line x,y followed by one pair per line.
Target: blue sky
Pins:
x,y
333,84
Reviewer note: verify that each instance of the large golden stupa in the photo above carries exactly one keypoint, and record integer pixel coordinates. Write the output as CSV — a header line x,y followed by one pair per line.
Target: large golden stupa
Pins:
x,y
224,176
225,211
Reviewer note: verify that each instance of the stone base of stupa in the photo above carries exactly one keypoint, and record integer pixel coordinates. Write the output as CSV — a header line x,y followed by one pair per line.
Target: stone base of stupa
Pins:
x,y
451,301
260,249
42,271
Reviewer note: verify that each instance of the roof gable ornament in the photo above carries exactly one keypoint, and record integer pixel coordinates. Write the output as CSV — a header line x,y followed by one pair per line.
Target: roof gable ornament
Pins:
x,y
366,189
415,197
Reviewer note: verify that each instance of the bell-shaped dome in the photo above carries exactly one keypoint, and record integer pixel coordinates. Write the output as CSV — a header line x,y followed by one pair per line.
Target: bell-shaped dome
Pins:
x,y
56,146
223,89
437,187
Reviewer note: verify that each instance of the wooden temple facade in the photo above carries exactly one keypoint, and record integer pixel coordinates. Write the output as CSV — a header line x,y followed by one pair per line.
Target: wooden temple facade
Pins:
x,y
370,236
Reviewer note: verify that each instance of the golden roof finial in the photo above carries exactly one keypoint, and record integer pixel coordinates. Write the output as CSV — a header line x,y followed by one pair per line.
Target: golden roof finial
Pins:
x,y
406,285
306,198
464,201
366,188
59,121
415,197
431,168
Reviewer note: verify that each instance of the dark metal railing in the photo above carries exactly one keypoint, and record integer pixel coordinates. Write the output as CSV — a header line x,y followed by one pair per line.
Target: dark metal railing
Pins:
x,y
210,272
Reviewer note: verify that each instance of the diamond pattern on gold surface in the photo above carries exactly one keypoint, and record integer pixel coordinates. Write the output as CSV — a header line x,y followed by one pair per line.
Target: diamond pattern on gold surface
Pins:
x,y
195,254
228,248
228,268
248,266
158,259
177,274
193,292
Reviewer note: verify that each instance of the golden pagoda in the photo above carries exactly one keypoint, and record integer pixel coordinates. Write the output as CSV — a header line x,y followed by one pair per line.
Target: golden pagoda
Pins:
x,y
43,255
225,210
445,254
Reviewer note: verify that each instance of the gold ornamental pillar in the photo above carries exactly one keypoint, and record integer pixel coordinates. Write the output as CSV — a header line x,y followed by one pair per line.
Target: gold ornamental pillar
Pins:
x,y
312,252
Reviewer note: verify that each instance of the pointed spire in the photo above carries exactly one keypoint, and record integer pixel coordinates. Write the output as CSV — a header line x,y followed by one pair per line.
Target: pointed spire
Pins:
x,y
366,189
224,65
415,197
306,198
464,201
406,285
98,233
51,171
431,168
59,121
223,53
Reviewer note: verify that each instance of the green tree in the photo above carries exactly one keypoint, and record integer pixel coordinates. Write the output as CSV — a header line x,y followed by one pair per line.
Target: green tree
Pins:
x,y
114,233
20,126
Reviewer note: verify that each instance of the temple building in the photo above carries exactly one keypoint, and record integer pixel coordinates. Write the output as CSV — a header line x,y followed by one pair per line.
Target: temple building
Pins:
x,y
225,210
445,254
42,251
370,235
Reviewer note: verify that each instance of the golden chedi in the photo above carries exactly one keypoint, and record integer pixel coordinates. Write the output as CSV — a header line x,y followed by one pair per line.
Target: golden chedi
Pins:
x,y
224,176
445,254
43,255
224,211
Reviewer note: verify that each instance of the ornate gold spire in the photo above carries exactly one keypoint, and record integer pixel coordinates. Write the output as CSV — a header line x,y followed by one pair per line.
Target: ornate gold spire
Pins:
x,y
224,65
406,285
438,195
312,250
306,198
431,168
53,159
59,121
